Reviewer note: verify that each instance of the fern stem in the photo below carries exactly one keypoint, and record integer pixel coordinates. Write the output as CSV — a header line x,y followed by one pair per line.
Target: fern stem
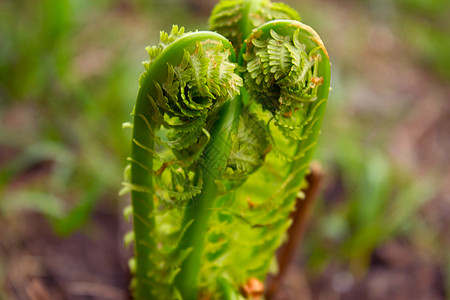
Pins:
x,y
227,289
201,208
142,202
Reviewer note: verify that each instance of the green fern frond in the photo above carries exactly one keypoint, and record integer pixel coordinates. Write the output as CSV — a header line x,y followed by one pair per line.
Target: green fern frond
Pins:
x,y
225,19
188,79
280,75
250,145
235,19
286,73
278,11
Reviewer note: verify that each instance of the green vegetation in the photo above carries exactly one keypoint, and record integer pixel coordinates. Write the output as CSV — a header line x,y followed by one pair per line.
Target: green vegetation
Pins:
x,y
202,155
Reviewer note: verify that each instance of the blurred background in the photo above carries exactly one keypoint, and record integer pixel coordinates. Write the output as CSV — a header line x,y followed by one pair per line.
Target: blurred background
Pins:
x,y
68,80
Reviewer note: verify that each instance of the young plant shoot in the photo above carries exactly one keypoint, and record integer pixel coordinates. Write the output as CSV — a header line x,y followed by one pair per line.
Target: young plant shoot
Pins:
x,y
224,128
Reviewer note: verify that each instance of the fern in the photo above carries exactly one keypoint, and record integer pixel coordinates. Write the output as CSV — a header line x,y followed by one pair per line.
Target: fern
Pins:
x,y
213,174
286,74
235,19
250,146
187,84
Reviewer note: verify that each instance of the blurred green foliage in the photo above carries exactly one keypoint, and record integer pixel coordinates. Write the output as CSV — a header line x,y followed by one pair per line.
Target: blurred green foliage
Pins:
x,y
46,75
68,72
370,198
425,27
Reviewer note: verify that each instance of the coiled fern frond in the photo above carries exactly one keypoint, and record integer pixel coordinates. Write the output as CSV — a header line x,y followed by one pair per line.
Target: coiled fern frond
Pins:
x,y
286,74
282,73
189,79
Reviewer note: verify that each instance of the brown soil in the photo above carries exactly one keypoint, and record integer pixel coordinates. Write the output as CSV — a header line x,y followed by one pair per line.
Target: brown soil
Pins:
x,y
39,265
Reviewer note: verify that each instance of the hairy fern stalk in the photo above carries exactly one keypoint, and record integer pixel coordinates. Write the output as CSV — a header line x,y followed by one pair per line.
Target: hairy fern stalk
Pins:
x,y
220,149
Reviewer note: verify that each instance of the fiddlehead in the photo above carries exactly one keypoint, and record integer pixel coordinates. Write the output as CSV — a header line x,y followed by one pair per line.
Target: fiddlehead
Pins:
x,y
282,73
286,74
188,84
236,19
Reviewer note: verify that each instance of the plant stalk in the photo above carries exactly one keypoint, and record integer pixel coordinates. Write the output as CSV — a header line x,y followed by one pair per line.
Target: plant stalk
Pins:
x,y
201,206
142,200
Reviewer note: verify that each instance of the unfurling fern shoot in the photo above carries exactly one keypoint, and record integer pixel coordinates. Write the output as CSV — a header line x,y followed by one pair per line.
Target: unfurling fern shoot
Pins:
x,y
184,101
218,158
286,74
